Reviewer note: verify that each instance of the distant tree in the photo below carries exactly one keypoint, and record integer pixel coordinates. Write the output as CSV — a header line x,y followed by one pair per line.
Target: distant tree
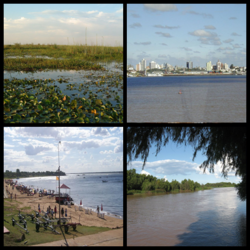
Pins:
x,y
225,144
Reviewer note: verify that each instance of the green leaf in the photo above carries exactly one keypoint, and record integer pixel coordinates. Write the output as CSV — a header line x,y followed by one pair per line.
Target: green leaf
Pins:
x,y
40,107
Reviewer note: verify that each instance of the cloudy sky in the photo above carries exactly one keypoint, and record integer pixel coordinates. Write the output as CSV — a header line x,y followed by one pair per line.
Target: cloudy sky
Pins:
x,y
175,163
177,33
81,149
64,24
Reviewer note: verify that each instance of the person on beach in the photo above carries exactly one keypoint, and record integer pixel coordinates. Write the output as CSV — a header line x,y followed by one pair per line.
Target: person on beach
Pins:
x,y
62,211
51,211
65,212
55,211
101,207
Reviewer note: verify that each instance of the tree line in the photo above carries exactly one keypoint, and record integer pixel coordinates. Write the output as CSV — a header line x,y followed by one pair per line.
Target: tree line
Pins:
x,y
23,174
150,183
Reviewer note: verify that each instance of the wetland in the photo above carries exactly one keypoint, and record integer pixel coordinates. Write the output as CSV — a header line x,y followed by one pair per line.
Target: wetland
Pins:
x,y
63,84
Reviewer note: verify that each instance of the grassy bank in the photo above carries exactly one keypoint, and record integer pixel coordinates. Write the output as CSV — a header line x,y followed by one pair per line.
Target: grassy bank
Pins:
x,y
76,56
33,237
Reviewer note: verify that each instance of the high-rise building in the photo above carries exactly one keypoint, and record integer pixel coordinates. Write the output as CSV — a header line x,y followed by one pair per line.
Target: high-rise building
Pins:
x,y
218,64
226,66
143,64
152,65
189,65
138,67
209,66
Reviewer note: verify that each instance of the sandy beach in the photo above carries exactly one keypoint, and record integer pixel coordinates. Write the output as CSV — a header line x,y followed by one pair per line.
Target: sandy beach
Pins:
x,y
76,216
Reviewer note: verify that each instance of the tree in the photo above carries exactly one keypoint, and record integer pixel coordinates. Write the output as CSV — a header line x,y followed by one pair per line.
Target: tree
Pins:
x,y
225,144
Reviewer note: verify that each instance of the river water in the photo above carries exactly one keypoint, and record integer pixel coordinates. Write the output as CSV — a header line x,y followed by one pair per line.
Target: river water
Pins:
x,y
203,99
215,217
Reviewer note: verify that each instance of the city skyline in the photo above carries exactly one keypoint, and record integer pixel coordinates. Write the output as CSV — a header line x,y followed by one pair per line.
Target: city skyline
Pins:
x,y
178,33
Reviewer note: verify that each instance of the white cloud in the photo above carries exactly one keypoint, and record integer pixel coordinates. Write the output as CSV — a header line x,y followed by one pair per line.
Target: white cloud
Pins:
x,y
145,172
160,7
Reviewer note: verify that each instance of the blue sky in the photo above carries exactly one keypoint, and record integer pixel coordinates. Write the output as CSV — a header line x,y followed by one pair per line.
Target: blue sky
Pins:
x,y
64,24
81,149
177,33
175,163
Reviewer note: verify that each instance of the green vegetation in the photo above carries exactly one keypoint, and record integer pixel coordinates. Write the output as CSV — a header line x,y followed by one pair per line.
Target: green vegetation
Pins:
x,y
33,64
42,101
74,56
140,183
23,174
33,237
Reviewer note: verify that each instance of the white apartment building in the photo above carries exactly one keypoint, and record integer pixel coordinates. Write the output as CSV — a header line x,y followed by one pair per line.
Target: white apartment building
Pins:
x,y
226,66
143,64
152,65
209,66
218,64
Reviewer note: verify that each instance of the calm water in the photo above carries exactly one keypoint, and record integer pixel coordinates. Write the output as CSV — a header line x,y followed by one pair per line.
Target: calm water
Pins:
x,y
203,99
91,190
215,217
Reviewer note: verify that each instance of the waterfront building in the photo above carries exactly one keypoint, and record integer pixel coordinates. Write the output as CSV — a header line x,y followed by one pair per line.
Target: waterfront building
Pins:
x,y
226,66
209,66
152,65
189,65
143,64
218,64
138,67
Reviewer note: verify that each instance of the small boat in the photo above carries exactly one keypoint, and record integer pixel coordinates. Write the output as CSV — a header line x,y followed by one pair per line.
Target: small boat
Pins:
x,y
104,181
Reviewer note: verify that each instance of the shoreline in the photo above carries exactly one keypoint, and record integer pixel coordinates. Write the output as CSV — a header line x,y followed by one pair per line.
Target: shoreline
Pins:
x,y
214,74
76,215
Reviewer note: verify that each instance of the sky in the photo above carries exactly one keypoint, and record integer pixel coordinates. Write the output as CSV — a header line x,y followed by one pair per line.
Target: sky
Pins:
x,y
175,163
81,149
64,24
178,33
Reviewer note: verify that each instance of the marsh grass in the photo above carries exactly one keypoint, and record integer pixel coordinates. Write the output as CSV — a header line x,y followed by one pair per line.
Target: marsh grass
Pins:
x,y
33,64
80,51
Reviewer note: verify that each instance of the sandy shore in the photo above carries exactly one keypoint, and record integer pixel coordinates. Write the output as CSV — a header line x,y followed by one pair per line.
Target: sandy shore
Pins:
x,y
76,216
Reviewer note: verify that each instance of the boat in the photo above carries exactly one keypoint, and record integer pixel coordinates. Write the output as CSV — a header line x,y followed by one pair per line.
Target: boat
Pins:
x,y
104,181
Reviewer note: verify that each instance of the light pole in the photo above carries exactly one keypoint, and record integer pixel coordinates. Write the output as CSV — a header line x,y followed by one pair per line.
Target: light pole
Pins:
x,y
59,185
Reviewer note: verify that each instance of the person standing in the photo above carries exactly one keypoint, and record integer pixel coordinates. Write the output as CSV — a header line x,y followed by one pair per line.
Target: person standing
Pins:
x,y
55,211
65,212
101,207
62,211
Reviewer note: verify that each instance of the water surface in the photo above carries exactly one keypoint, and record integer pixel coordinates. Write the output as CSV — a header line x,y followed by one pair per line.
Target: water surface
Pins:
x,y
203,99
215,217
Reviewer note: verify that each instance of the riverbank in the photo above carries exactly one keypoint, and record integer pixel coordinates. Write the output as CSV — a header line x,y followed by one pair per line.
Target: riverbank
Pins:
x,y
91,224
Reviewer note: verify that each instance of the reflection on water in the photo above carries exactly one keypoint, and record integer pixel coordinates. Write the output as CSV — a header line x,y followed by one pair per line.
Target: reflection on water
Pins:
x,y
214,217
